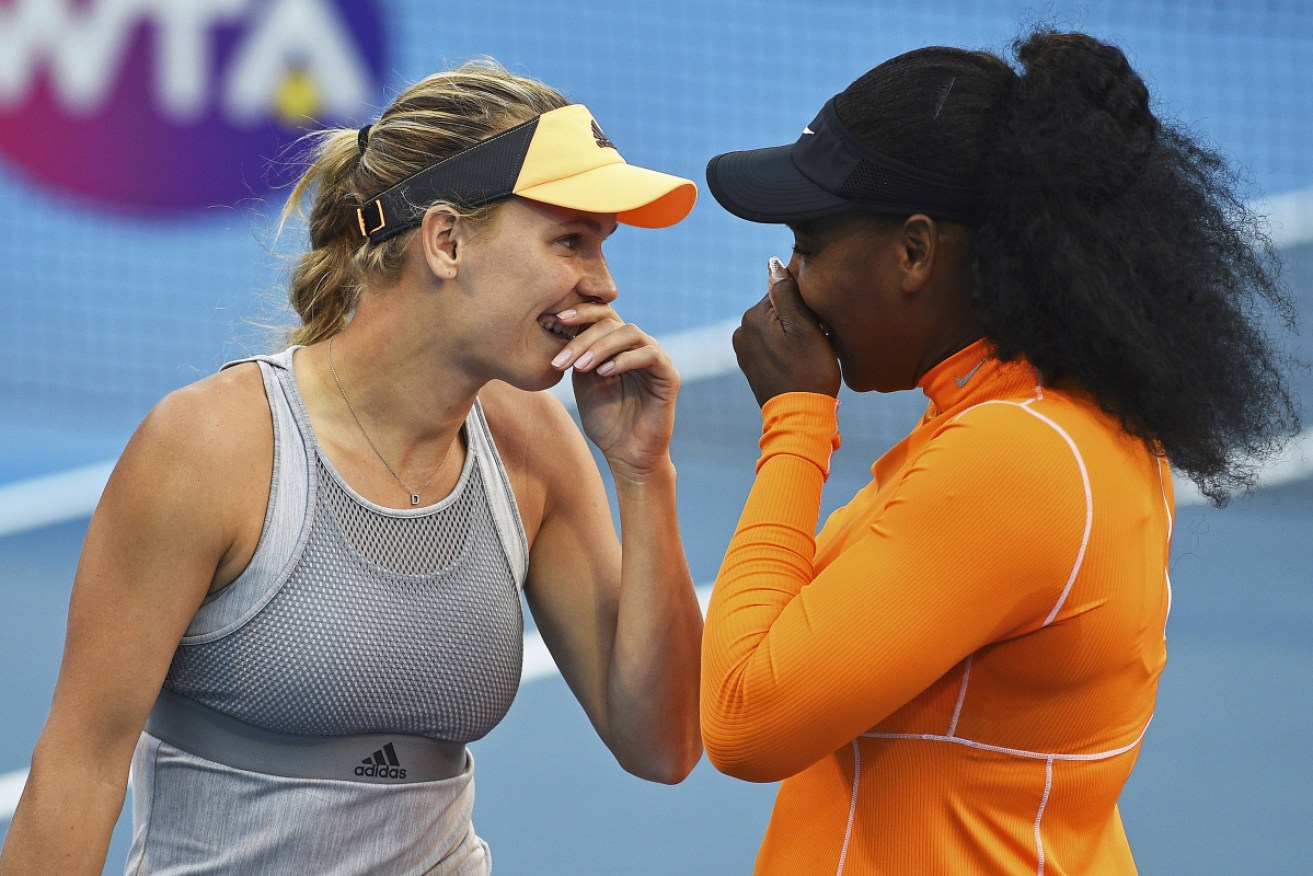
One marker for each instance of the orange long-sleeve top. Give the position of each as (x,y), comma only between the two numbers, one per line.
(954,676)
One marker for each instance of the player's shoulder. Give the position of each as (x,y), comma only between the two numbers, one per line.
(1013,440)
(1042,418)
(217,419)
(234,392)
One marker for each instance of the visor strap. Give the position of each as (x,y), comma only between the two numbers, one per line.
(481,174)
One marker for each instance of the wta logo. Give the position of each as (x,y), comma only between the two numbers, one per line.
(172,105)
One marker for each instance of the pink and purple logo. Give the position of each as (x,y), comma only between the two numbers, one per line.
(163,106)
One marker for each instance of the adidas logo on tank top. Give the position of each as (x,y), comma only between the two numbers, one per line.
(382,764)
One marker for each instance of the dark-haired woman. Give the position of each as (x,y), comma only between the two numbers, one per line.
(955,675)
(304,577)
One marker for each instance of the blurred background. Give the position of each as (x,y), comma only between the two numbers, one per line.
(145,148)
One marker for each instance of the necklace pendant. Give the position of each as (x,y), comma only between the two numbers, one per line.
(414,498)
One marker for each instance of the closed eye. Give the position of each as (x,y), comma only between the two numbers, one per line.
(801,230)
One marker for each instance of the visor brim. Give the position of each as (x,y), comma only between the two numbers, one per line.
(764,185)
(638,196)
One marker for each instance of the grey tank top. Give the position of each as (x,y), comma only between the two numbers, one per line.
(353,618)
(314,710)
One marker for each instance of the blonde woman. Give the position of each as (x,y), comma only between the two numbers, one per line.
(299,598)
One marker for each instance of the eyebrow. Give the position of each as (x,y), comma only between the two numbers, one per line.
(591,224)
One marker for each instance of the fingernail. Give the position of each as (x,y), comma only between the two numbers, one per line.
(776,268)
(584,361)
(562,359)
(606,368)
(566,314)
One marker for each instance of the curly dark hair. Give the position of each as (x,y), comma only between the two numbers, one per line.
(1114,252)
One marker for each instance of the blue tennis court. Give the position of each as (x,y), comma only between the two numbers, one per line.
(114,302)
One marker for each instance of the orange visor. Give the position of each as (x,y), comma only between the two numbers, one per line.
(560,157)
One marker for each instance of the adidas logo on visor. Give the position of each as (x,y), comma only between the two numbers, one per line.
(382,764)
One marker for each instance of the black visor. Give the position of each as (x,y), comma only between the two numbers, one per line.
(829,171)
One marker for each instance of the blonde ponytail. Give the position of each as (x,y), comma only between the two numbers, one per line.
(326,282)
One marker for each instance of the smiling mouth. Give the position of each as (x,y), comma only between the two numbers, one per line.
(551,326)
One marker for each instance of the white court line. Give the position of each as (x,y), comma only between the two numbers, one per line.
(72,495)
(1289,217)
(11,786)
(1295,464)
(538,664)
(57,498)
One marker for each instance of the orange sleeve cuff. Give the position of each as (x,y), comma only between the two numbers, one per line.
(801,424)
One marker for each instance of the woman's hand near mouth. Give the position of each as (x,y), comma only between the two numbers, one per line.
(782,346)
(625,387)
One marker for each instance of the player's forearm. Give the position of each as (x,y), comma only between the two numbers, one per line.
(653,682)
(747,698)
(64,819)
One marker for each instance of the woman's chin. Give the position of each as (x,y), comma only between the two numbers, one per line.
(544,380)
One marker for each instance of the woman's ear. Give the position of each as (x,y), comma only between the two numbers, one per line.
(441,235)
(919,246)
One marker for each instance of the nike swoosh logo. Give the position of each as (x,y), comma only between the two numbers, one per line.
(962,381)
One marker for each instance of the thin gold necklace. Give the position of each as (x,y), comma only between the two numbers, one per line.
(414,494)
